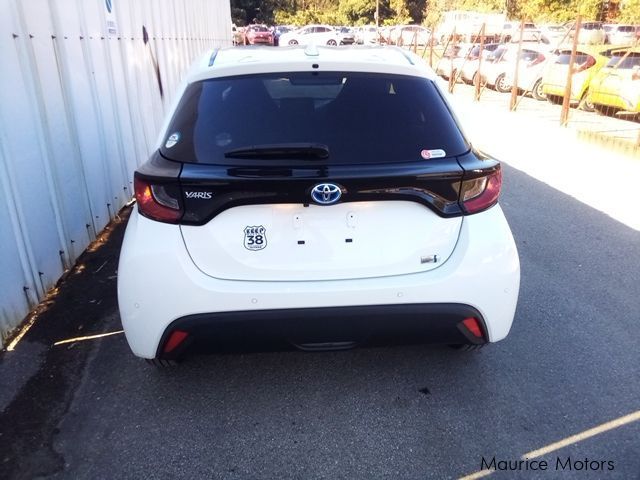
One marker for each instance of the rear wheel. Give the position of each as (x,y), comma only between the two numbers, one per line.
(293,42)
(586,105)
(537,92)
(159,363)
(555,99)
(332,42)
(467,347)
(501,84)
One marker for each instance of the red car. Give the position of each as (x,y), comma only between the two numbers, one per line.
(258,35)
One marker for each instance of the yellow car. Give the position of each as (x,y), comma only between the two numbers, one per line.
(617,86)
(589,60)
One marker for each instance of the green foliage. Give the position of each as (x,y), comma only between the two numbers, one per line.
(427,12)
(630,12)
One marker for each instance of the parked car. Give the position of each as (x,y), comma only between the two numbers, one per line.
(511,32)
(616,87)
(410,35)
(347,36)
(258,35)
(501,65)
(530,71)
(555,34)
(608,28)
(237,34)
(278,31)
(591,33)
(367,35)
(318,34)
(468,66)
(452,59)
(589,59)
(266,211)
(623,34)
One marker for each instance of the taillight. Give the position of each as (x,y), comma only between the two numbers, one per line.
(479,193)
(539,59)
(158,201)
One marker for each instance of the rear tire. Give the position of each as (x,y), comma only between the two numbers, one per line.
(537,92)
(501,84)
(332,43)
(467,347)
(584,104)
(555,99)
(293,42)
(160,363)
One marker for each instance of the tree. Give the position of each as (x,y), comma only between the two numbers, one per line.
(630,11)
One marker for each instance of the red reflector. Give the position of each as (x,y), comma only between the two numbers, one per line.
(473,326)
(175,339)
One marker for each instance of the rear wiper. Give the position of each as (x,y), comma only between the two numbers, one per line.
(308,151)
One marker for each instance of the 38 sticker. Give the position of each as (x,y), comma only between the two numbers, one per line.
(255,237)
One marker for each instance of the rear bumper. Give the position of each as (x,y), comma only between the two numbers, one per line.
(158,283)
(327,328)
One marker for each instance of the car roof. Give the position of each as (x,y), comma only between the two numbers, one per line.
(233,61)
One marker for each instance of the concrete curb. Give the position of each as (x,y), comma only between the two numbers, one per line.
(624,146)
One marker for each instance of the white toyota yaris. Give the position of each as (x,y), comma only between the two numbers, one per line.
(322,196)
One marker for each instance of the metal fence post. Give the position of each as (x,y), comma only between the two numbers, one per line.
(566,101)
(452,80)
(514,87)
(478,76)
(431,46)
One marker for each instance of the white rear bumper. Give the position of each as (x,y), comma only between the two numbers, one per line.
(159,283)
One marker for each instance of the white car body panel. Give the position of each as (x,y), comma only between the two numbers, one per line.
(482,272)
(342,241)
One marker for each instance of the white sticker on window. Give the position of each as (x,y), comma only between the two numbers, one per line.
(429,154)
(255,237)
(172,140)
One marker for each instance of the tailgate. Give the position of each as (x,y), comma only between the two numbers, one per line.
(284,242)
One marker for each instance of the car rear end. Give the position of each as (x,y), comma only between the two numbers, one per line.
(617,86)
(259,35)
(587,62)
(530,73)
(268,212)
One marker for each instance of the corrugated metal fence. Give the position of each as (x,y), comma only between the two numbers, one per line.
(84,85)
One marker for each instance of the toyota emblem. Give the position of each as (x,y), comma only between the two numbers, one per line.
(326,193)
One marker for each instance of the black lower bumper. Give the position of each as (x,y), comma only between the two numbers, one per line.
(327,328)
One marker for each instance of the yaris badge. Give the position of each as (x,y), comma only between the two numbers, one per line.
(326,193)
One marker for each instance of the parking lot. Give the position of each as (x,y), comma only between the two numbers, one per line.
(87,408)
(623,129)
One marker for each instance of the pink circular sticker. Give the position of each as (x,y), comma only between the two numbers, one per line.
(426,154)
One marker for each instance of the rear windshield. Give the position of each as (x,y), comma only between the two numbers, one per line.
(361,118)
(630,61)
(565,58)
